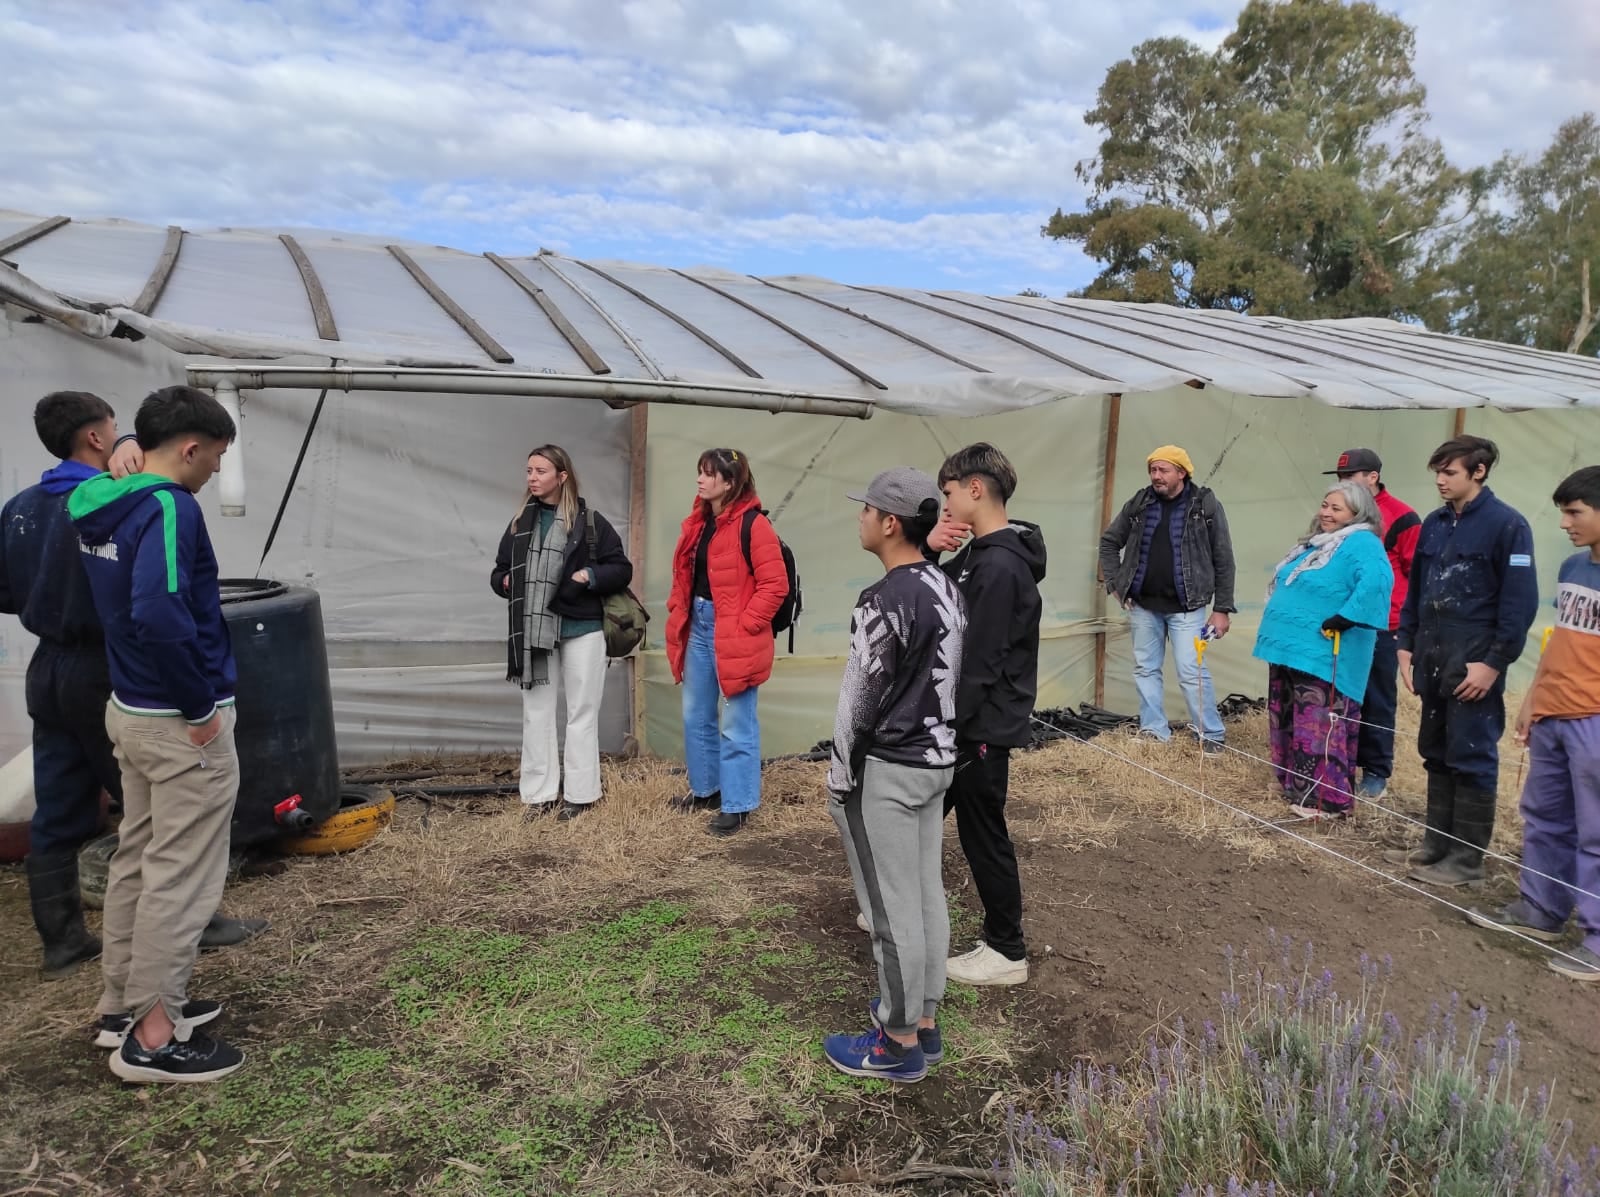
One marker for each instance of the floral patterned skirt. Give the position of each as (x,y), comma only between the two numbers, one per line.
(1312,734)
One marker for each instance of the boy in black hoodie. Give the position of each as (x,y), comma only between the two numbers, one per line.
(998,573)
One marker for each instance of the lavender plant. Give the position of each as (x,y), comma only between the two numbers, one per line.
(1297,1090)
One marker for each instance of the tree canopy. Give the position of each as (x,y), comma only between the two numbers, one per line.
(1521,270)
(1291,172)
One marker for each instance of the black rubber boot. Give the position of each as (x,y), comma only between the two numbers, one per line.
(727,822)
(688,804)
(223,932)
(1473,826)
(58,912)
(1442,797)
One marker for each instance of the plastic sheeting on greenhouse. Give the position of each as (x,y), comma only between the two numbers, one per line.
(241,294)
(402,497)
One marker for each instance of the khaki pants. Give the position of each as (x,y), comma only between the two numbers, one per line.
(165,881)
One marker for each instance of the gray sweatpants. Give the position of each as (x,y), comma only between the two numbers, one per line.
(893,830)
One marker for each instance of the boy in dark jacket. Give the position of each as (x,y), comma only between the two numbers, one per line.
(153,575)
(894,746)
(1473,597)
(42,582)
(998,573)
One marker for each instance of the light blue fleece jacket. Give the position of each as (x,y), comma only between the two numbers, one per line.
(1354,583)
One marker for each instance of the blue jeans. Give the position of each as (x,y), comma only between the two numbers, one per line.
(1151,631)
(726,760)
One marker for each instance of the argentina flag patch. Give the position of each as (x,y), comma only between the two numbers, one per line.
(1522,559)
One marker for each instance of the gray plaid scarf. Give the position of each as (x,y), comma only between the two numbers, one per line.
(543,576)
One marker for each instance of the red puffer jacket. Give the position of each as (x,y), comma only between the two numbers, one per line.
(744,602)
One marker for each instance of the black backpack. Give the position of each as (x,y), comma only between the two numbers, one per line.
(788,610)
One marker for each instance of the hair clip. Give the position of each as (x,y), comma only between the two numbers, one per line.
(733,454)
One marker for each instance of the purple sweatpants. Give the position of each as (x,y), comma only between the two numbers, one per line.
(1561,822)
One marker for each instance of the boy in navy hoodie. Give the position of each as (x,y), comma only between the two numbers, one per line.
(153,575)
(43,584)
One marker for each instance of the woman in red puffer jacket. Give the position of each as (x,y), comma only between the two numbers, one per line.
(719,636)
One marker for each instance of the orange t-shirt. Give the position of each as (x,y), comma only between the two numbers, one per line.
(1569,687)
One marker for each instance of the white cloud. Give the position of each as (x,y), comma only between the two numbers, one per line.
(895,126)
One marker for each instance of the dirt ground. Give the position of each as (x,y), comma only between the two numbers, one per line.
(476,1004)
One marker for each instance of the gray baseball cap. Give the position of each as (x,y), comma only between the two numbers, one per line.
(900,491)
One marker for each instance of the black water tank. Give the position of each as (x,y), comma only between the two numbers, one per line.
(285,729)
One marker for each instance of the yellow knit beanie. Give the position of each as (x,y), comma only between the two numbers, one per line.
(1175,455)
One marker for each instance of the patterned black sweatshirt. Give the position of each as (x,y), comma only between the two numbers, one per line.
(897,702)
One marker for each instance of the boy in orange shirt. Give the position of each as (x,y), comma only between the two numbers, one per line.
(1560,724)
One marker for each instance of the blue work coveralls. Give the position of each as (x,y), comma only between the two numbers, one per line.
(1474,595)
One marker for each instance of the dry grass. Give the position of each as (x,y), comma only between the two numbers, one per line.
(476,867)
(1085,795)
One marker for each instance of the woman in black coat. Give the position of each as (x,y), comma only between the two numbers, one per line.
(558,559)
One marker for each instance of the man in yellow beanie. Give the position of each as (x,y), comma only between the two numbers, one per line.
(1166,558)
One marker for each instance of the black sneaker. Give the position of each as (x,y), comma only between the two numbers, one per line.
(224,932)
(727,822)
(688,804)
(571,810)
(201,1059)
(112,1029)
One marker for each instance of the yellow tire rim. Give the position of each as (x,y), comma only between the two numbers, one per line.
(347,829)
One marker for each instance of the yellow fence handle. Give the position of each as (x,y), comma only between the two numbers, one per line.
(1544,640)
(1200,650)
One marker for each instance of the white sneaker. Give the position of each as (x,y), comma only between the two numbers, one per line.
(861,921)
(985,966)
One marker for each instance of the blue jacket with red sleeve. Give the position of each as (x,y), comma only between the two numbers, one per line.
(153,574)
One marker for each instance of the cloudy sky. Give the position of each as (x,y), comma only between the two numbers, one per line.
(920,142)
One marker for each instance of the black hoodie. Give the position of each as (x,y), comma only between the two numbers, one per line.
(999,577)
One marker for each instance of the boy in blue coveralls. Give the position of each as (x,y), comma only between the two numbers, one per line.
(1473,597)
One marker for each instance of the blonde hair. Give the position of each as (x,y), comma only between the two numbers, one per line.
(566,503)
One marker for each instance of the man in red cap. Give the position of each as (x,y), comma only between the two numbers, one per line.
(1401,525)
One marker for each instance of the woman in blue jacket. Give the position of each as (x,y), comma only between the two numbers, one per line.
(1336,580)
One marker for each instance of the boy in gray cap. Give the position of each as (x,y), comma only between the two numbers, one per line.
(894,752)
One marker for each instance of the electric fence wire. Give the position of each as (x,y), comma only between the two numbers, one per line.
(1251,817)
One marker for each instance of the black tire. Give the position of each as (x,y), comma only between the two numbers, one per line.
(94,862)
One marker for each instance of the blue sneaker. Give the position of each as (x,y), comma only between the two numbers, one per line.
(873,1055)
(1372,787)
(928,1038)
